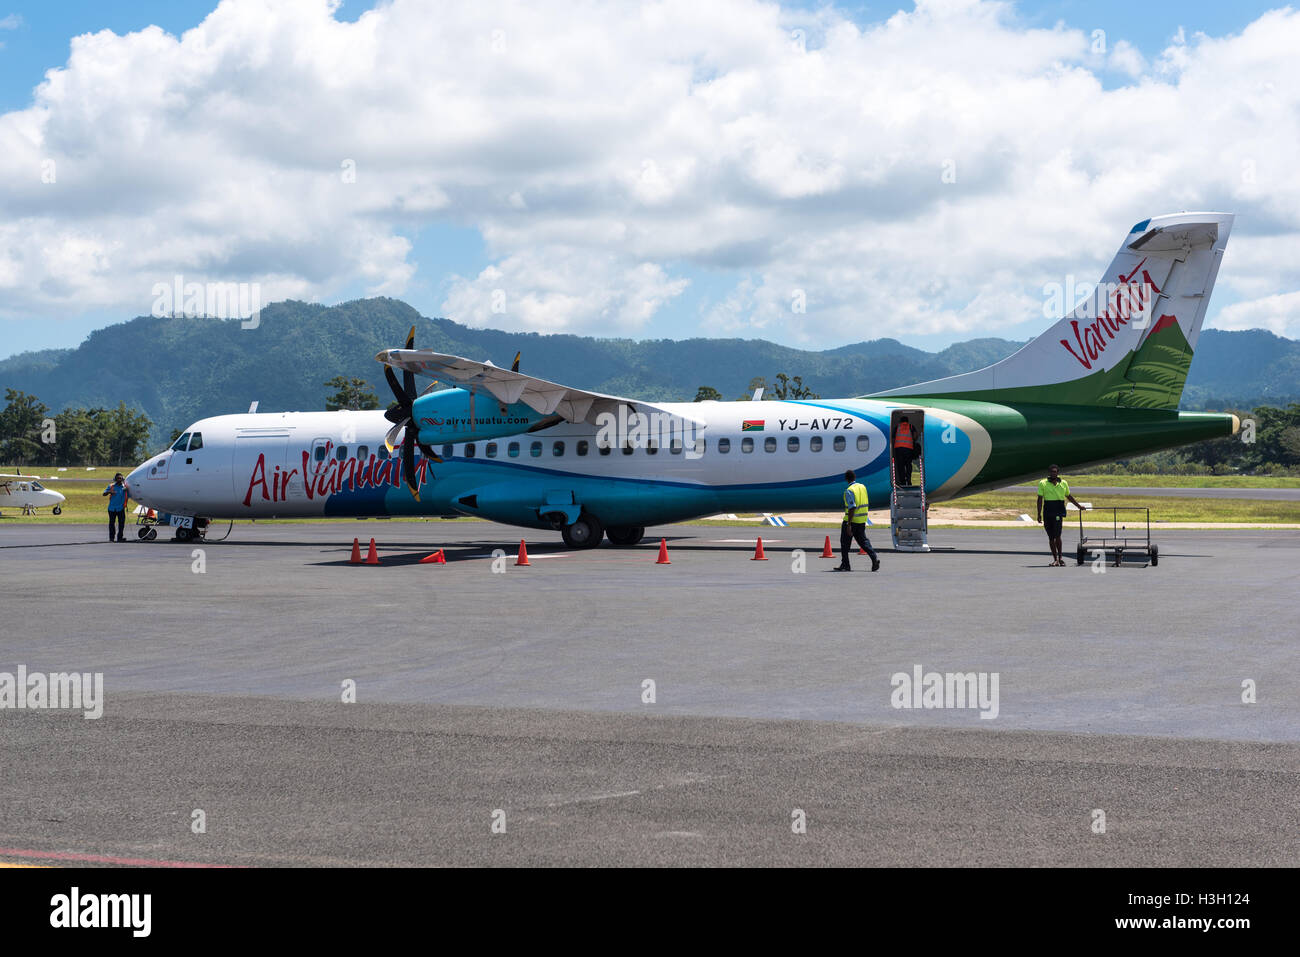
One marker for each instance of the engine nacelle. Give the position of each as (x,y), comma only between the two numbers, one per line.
(458,415)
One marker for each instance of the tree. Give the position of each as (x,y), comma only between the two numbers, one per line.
(80,438)
(707,393)
(125,433)
(351,393)
(21,424)
(787,388)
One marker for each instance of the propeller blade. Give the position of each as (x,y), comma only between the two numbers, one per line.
(428,452)
(390,440)
(514,366)
(408,377)
(408,464)
(398,392)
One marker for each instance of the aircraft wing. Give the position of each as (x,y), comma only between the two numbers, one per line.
(541,395)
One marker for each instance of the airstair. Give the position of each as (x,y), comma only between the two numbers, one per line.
(907,514)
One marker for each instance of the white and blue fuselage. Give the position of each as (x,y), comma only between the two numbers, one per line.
(745,456)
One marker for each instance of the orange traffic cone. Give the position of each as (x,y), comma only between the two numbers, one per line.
(356,552)
(372,557)
(523,554)
(663,553)
(826,549)
(758,552)
(437,558)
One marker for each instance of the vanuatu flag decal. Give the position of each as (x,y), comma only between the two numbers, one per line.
(752,425)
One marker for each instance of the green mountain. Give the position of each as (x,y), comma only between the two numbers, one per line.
(178,370)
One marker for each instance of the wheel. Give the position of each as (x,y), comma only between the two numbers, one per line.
(586,532)
(1080,555)
(625,535)
(184,534)
(143,533)
(1155,555)
(153,534)
(57,510)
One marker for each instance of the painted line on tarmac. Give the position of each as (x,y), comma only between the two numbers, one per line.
(95,859)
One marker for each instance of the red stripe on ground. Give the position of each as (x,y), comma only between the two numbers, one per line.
(99,859)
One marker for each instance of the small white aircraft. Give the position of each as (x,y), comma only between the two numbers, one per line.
(25,492)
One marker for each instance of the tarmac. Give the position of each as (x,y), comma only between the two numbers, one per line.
(605,709)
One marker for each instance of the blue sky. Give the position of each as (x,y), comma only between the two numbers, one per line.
(37,38)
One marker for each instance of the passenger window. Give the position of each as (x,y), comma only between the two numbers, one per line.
(512,450)
(469,450)
(652,448)
(627,448)
(838,444)
(769,444)
(792,444)
(179,444)
(724,445)
(491,450)
(746,444)
(448,450)
(604,449)
(382,452)
(582,446)
(363,451)
(675,446)
(698,446)
(863,443)
(341,452)
(196,441)
(320,453)
(535,450)
(815,444)
(557,448)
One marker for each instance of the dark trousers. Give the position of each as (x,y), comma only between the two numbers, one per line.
(120,518)
(903,466)
(848,533)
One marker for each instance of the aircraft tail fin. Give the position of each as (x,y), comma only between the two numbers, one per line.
(1127,345)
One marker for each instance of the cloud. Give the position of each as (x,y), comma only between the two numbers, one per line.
(926,174)
(1279,314)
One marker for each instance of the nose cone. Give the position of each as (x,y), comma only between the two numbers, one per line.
(135,481)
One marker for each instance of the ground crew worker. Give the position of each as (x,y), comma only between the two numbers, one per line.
(905,447)
(854,525)
(118,494)
(1053,492)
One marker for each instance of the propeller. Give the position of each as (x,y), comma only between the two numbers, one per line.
(402,416)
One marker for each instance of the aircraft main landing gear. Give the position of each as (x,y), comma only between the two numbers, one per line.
(585,532)
(625,536)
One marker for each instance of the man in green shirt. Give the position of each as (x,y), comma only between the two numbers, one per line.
(1054,492)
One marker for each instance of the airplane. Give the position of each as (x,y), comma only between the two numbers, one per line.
(25,492)
(1101,383)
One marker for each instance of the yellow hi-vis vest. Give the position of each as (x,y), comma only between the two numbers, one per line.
(855,504)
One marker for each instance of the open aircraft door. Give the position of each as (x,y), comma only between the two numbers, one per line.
(907,506)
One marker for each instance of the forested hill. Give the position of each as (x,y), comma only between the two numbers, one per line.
(177,370)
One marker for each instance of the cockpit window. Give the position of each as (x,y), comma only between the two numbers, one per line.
(179,444)
(196,441)
(38,487)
